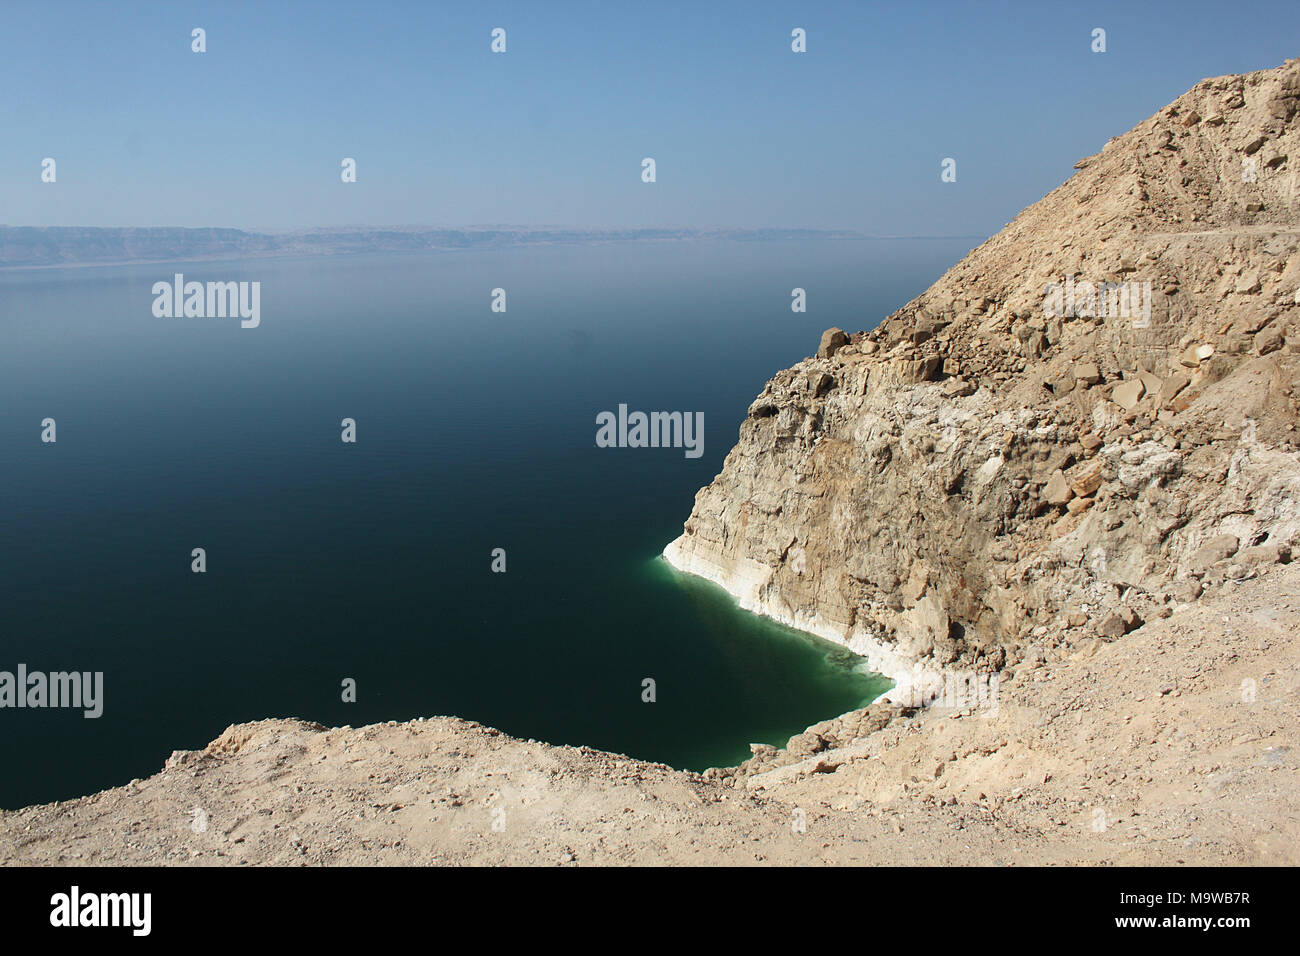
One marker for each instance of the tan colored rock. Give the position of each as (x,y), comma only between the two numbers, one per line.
(1172,386)
(1264,554)
(803,744)
(832,341)
(1247,283)
(958,388)
(1087,373)
(1270,339)
(1112,626)
(1087,481)
(1219,548)
(913,371)
(917,581)
(1079,505)
(1127,394)
(1057,491)
(931,621)
(1195,354)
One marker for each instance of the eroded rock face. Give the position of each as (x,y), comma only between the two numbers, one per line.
(998,463)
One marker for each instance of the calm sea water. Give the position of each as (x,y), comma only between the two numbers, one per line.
(326,561)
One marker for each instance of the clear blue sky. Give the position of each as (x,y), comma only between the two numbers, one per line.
(745,132)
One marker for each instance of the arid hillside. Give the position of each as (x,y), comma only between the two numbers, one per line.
(1007,457)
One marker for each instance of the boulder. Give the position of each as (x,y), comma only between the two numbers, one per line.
(1269,340)
(819,383)
(1057,491)
(1247,283)
(832,341)
(1127,394)
(1194,355)
(929,627)
(1087,481)
(958,388)
(1087,373)
(1263,555)
(805,744)
(1112,626)
(1173,385)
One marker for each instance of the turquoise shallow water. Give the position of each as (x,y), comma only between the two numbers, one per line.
(371,561)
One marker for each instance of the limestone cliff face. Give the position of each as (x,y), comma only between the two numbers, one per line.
(1004,461)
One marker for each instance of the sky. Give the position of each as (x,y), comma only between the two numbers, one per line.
(745,133)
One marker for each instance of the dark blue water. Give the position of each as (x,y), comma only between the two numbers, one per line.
(372,561)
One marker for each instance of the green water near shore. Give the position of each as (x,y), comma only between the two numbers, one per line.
(788,662)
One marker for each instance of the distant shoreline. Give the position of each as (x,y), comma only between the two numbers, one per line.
(70,247)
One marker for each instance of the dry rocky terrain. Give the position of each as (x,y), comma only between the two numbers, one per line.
(1088,508)
(994,464)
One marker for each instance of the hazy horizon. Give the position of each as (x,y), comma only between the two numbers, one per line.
(851,134)
(46,247)
(523,227)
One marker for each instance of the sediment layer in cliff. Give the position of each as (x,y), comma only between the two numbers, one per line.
(1086,422)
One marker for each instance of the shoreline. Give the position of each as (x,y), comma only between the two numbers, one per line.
(1075,742)
(916,683)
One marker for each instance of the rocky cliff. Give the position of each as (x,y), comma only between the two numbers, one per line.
(1086,422)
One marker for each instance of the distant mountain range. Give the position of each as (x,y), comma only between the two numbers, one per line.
(31,246)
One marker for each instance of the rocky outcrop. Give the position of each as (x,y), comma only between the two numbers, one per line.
(1087,421)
